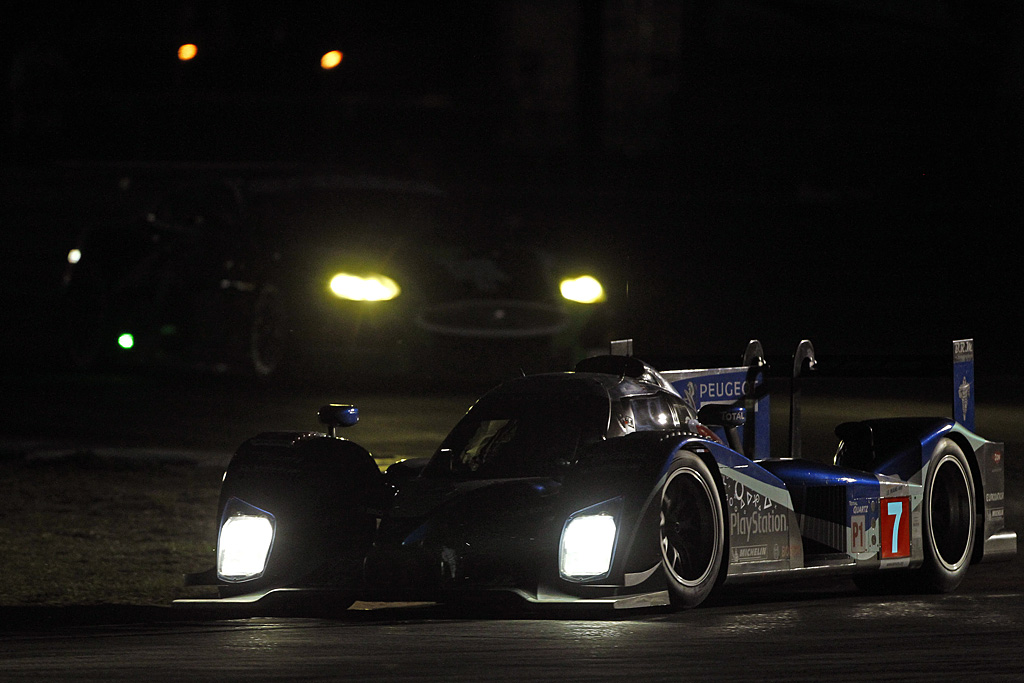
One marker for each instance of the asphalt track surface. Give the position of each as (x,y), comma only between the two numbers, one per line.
(824,629)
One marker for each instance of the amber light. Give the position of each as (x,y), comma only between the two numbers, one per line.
(187,51)
(331,59)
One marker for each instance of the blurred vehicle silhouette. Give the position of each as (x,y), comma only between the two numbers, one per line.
(373,274)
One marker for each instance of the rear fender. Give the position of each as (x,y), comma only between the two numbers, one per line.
(893,446)
(904,447)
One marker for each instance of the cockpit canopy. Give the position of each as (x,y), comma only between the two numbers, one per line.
(520,435)
(535,426)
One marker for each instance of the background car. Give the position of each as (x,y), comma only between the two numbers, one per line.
(328,271)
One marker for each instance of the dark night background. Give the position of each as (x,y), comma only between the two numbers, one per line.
(842,170)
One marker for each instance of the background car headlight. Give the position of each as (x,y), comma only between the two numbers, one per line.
(244,543)
(588,543)
(583,290)
(372,287)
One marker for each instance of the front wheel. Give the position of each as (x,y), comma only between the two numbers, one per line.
(691,531)
(949,518)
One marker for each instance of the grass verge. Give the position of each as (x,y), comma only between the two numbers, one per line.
(87,530)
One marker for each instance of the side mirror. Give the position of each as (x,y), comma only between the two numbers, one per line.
(723,415)
(403,470)
(336,415)
(731,417)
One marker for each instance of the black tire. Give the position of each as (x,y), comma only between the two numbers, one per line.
(949,518)
(268,332)
(691,531)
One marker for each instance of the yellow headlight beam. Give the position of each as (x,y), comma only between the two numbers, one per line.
(371,287)
(584,290)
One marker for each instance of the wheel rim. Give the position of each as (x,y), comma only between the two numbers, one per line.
(690,527)
(951,513)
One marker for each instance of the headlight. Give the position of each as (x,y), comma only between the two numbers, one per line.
(243,545)
(372,287)
(588,542)
(583,290)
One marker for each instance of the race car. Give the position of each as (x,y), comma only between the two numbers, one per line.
(261,271)
(613,484)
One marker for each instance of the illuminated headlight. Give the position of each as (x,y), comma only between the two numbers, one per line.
(588,542)
(74,256)
(583,290)
(246,537)
(371,287)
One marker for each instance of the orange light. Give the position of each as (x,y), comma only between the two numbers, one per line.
(331,59)
(187,51)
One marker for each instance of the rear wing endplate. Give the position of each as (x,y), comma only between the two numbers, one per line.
(963,382)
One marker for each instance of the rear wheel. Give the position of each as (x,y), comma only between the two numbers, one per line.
(691,531)
(949,518)
(949,529)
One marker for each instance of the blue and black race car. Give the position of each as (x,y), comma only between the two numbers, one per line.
(614,484)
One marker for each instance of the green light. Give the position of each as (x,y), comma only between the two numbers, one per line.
(126,341)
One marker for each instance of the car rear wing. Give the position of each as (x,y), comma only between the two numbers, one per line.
(744,385)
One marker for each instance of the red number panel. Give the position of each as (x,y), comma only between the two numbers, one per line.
(895,519)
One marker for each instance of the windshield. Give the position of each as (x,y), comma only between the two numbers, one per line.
(522,436)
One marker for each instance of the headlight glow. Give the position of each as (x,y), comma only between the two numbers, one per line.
(372,287)
(74,256)
(588,543)
(243,546)
(583,290)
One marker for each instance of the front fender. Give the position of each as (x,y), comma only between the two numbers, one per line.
(324,493)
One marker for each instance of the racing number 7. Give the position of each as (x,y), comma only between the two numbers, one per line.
(895,507)
(895,527)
